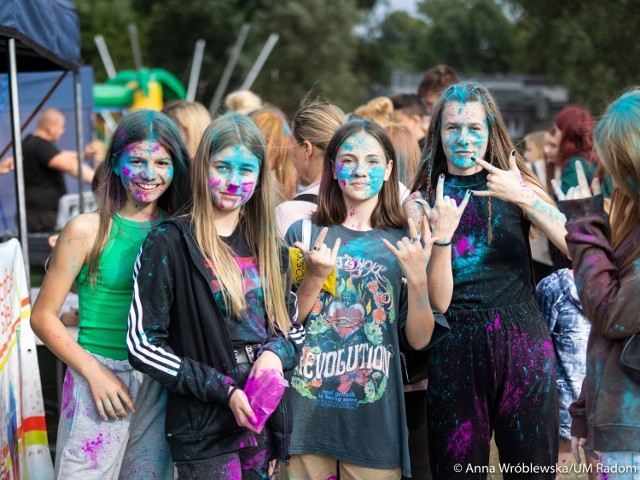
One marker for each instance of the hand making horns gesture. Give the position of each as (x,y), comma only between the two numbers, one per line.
(445,214)
(413,254)
(320,260)
(507,185)
(581,190)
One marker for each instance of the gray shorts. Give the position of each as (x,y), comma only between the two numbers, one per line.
(132,448)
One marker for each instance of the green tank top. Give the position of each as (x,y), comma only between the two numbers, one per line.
(104,307)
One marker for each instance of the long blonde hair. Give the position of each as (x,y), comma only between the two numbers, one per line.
(191,118)
(257,221)
(617,140)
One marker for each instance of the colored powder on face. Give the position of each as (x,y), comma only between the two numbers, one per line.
(459,442)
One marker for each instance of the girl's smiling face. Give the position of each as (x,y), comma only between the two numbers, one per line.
(464,134)
(145,169)
(233,176)
(361,167)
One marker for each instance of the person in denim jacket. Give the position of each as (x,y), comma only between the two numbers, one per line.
(560,306)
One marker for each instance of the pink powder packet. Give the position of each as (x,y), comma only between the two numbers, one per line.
(264,393)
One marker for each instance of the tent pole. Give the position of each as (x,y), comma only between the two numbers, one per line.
(17,150)
(77,84)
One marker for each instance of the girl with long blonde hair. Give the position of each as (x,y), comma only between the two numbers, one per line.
(212,308)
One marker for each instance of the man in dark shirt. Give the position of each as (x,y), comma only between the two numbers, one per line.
(44,169)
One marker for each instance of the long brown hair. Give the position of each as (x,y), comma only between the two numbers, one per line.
(617,139)
(257,221)
(434,161)
(332,209)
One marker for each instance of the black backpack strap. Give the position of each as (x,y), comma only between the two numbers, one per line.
(307,197)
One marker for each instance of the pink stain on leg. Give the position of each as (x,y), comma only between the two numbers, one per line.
(92,449)
(67,400)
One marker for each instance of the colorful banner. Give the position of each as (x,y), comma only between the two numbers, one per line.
(24,448)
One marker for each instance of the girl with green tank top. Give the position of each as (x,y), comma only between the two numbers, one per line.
(112,416)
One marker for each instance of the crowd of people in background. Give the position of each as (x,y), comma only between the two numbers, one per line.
(228,251)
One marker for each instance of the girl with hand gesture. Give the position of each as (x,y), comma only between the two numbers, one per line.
(495,371)
(350,370)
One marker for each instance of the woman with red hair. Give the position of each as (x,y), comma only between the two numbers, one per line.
(573,132)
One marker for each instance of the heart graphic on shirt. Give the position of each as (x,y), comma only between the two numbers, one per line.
(345,320)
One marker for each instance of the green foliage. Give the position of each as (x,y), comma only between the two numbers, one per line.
(473,36)
(108,18)
(174,26)
(398,42)
(589,46)
(316,51)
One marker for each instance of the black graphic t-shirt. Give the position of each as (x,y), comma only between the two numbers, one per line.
(347,390)
(488,274)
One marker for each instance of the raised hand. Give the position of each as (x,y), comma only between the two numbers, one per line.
(109,393)
(507,185)
(320,260)
(413,254)
(579,191)
(445,214)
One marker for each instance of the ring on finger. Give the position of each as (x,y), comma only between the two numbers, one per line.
(316,249)
(414,240)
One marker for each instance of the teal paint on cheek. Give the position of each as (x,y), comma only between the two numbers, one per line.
(376,176)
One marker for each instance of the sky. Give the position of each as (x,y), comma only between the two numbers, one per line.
(385,6)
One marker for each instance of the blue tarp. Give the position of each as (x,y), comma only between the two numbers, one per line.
(47,34)
(31,89)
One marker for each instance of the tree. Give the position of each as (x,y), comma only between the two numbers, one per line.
(316,51)
(473,36)
(398,42)
(108,18)
(589,46)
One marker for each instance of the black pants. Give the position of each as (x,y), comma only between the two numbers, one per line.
(416,407)
(495,372)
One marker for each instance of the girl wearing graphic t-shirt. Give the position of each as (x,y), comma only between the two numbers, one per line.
(112,417)
(212,309)
(349,417)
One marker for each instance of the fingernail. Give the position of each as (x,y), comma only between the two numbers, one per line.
(513,153)
(473,158)
(468,192)
(442,175)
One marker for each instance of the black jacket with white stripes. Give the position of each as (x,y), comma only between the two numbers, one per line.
(177,335)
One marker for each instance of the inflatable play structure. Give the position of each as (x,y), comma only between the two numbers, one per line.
(133,89)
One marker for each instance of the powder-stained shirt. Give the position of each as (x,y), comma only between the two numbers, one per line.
(347,390)
(488,274)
